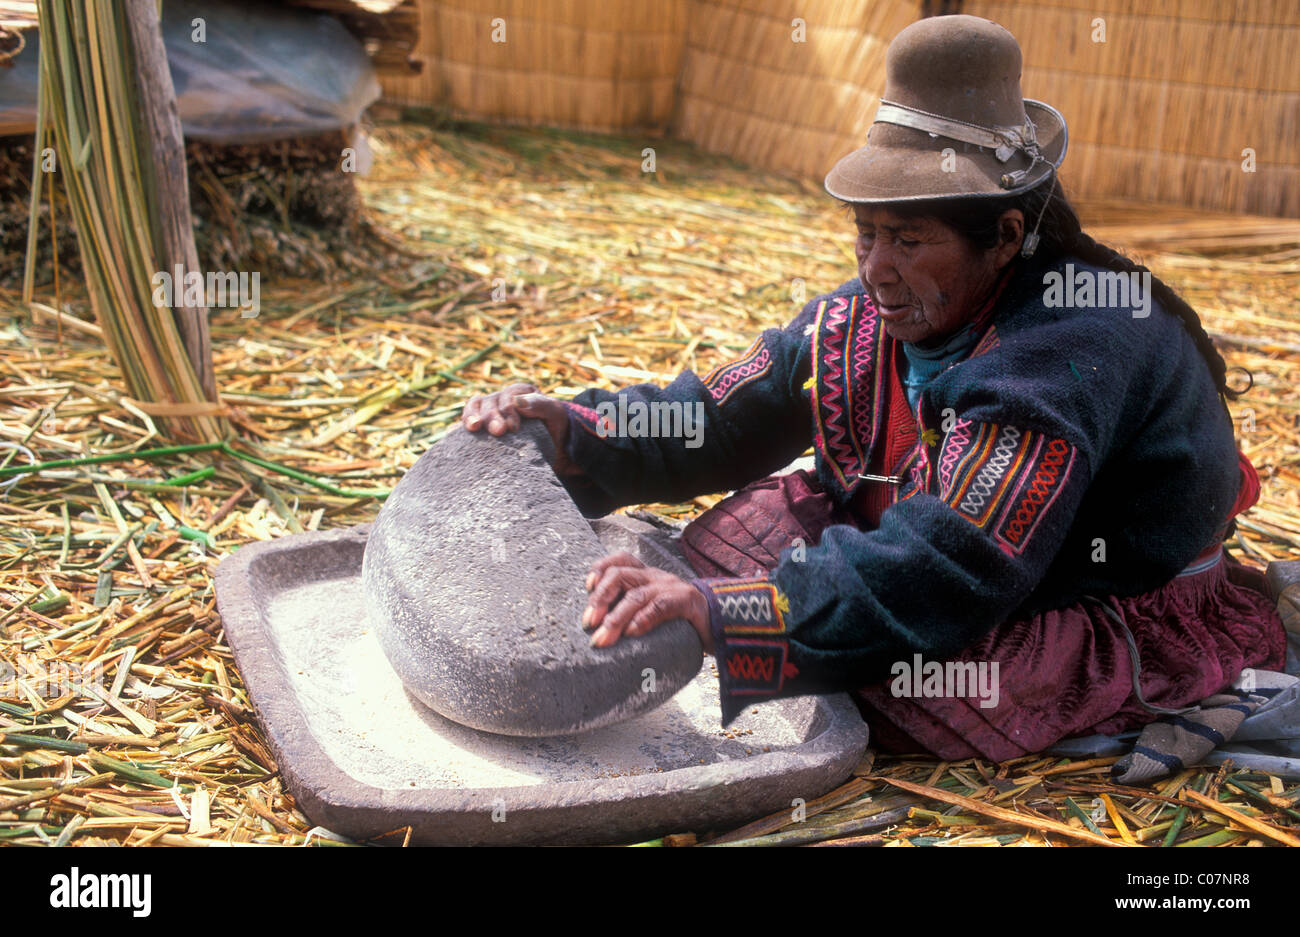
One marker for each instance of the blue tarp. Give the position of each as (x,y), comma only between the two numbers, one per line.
(261,73)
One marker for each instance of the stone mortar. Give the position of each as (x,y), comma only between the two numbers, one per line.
(362,757)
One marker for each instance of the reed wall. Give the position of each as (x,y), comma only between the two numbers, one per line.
(1172,107)
(586,64)
(1165,107)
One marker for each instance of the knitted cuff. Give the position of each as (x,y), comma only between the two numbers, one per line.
(584,449)
(750,645)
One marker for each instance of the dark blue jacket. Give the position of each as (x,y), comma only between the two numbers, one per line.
(1065,428)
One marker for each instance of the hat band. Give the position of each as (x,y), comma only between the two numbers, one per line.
(1003,141)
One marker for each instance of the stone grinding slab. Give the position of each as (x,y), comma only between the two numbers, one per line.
(474,585)
(362,757)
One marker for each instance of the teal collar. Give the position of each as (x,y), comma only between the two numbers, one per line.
(926,362)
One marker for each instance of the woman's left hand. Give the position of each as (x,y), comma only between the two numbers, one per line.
(628,597)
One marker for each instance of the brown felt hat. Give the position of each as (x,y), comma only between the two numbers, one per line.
(952,82)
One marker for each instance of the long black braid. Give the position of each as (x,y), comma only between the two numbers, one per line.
(1085,248)
(1062,235)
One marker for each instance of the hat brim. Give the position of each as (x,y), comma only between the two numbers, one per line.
(911,165)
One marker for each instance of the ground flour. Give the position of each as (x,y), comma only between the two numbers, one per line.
(367,724)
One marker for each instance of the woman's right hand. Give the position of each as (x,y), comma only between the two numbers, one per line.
(499,413)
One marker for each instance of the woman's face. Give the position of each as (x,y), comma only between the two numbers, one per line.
(927,280)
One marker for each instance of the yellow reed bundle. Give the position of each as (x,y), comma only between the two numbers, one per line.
(91,98)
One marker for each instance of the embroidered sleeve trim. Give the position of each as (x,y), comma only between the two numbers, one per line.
(747,606)
(755,668)
(589,420)
(747,618)
(724,380)
(1003,479)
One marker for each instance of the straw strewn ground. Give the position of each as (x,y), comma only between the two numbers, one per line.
(606,276)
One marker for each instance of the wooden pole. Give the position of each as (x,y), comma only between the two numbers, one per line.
(172,211)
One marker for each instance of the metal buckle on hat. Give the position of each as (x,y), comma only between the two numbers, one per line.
(1023,139)
(1005,142)
(1027,143)
(1010,180)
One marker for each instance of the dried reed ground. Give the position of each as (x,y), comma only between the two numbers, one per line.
(604,275)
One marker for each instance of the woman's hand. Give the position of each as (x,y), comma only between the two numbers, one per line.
(628,597)
(500,413)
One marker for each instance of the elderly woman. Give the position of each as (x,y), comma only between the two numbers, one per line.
(1024,462)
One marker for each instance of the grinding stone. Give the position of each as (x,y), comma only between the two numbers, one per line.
(473,576)
(362,757)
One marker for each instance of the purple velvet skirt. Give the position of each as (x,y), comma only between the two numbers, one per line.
(1062,673)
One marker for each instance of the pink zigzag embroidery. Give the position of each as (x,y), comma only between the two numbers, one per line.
(863,358)
(588,418)
(739,374)
(958,439)
(836,433)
